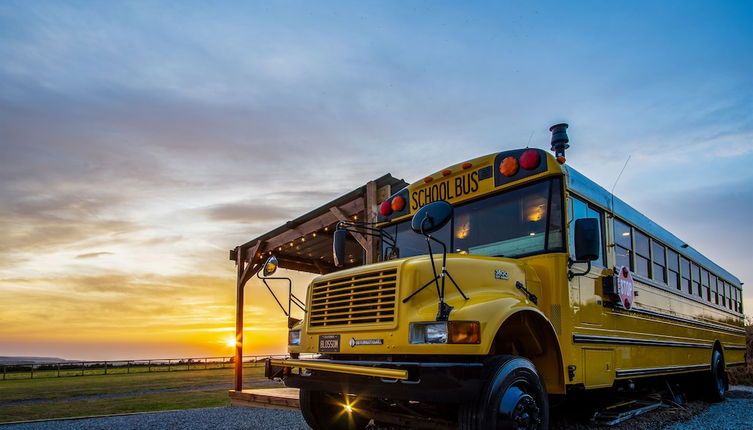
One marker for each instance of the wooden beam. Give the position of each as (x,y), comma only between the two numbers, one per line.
(326,219)
(358,236)
(253,261)
(305,264)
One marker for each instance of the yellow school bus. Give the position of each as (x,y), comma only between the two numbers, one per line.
(503,280)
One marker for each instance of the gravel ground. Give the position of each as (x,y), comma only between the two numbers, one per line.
(736,413)
(227,418)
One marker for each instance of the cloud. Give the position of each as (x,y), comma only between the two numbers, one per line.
(93,254)
(246,213)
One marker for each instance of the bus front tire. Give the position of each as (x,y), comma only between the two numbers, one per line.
(514,397)
(324,411)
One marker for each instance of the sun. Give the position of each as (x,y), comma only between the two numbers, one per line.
(230,341)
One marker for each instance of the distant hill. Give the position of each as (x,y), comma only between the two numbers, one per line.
(30,360)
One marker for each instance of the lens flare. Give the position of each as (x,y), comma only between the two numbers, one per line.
(230,341)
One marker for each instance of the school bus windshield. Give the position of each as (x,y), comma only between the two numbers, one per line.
(524,221)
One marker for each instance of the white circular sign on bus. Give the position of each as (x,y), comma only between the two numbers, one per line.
(625,287)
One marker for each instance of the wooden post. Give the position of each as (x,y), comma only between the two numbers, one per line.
(238,364)
(169,365)
(58,366)
(128,367)
(82,368)
(32,371)
(105,368)
(149,363)
(370,215)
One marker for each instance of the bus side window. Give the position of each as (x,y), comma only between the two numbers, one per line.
(579,210)
(623,245)
(685,275)
(658,272)
(673,269)
(696,272)
(642,254)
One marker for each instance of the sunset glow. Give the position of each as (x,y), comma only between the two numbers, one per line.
(140,142)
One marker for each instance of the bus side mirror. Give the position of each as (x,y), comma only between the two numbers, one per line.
(587,241)
(338,246)
(431,217)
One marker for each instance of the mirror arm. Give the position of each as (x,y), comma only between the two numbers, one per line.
(571,274)
(292,299)
(298,302)
(443,311)
(364,228)
(264,280)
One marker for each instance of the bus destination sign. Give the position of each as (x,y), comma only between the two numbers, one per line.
(445,190)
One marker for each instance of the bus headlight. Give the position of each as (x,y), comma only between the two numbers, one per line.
(445,332)
(294,337)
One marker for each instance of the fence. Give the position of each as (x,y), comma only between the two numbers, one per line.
(85,368)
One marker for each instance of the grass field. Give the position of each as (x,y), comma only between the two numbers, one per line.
(88,371)
(31,399)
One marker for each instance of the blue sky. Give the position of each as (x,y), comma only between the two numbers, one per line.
(141,140)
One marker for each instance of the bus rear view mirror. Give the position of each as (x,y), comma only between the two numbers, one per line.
(587,241)
(338,246)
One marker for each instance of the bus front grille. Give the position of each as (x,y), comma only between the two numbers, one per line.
(365,298)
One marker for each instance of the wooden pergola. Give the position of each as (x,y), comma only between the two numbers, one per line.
(305,244)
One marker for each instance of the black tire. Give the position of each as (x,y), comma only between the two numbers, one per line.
(717,384)
(513,397)
(324,411)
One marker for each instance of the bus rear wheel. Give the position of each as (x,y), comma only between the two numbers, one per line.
(323,411)
(717,379)
(514,397)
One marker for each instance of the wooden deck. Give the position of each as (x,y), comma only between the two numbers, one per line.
(269,398)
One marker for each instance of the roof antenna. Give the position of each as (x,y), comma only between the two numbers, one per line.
(617,180)
(530,137)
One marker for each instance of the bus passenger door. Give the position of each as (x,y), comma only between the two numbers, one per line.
(586,290)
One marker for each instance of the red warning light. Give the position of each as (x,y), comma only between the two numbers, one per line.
(398,203)
(385,208)
(530,159)
(508,166)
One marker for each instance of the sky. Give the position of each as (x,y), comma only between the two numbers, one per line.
(140,141)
